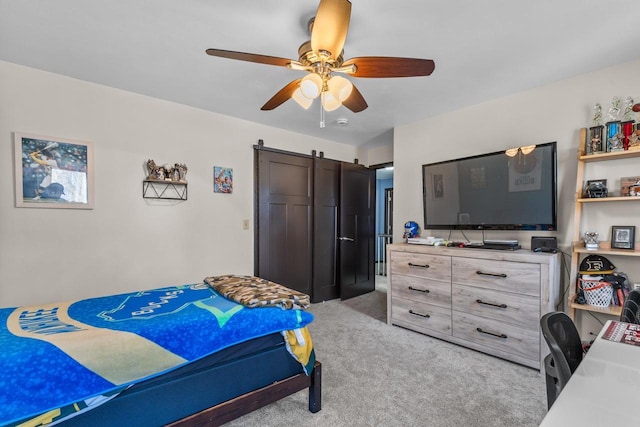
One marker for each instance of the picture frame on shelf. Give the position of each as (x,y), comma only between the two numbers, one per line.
(623,237)
(53,172)
(626,183)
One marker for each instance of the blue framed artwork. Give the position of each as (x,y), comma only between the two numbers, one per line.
(53,172)
(222,180)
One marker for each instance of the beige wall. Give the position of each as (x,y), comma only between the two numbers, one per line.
(128,243)
(551,113)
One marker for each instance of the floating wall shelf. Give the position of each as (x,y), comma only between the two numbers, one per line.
(168,190)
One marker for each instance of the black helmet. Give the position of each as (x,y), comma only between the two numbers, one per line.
(596,189)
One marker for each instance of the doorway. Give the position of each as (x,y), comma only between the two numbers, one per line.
(384,220)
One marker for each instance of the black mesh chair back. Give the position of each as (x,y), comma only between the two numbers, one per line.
(565,346)
(631,308)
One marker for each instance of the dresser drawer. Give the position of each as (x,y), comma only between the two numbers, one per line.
(497,335)
(421,265)
(426,316)
(514,309)
(421,290)
(516,277)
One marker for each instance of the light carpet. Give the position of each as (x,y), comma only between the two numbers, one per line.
(374,374)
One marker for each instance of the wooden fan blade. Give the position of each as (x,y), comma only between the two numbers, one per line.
(355,102)
(250,57)
(282,96)
(385,66)
(330,26)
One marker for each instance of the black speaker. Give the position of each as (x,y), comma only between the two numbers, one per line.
(544,244)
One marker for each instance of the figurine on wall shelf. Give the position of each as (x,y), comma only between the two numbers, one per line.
(177,173)
(614,110)
(597,115)
(591,240)
(628,109)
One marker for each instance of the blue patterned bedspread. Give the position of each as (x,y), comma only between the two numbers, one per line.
(53,355)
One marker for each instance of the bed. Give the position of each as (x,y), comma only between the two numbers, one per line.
(183,356)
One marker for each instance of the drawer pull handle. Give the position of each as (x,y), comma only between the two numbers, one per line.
(415,313)
(425,291)
(419,265)
(483,273)
(479,301)
(491,333)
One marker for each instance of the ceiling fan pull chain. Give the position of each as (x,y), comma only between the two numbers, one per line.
(321,116)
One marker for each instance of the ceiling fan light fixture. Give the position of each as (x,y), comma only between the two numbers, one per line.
(330,102)
(311,85)
(340,88)
(511,152)
(527,149)
(302,100)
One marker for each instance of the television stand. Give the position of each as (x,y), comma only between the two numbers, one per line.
(490,302)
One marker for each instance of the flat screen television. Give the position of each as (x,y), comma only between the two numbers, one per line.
(513,189)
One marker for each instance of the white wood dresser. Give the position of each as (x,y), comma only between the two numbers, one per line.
(487,300)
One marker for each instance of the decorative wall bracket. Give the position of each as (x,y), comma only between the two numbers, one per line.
(169,190)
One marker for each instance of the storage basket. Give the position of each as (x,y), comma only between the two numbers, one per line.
(597,293)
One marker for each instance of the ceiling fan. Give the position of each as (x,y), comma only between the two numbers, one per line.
(322,57)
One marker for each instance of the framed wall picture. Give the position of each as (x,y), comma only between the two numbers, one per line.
(222,180)
(52,172)
(623,237)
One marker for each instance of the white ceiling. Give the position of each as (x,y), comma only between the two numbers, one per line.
(482,49)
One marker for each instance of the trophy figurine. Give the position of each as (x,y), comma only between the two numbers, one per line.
(591,241)
(628,109)
(614,110)
(597,115)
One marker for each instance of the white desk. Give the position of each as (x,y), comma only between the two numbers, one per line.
(603,391)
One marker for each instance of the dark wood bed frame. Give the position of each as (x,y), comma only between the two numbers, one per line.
(241,405)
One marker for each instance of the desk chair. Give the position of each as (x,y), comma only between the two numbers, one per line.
(631,309)
(565,345)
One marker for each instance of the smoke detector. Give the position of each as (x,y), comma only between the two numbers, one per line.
(342,122)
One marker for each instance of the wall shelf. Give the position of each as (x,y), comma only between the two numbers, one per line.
(578,249)
(614,155)
(167,190)
(605,249)
(612,310)
(609,199)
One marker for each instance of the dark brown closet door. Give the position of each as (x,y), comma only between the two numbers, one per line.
(325,244)
(356,234)
(284,203)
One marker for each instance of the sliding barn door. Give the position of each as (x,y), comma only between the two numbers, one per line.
(284,227)
(356,234)
(326,216)
(315,224)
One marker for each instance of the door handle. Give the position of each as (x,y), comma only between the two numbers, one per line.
(346,239)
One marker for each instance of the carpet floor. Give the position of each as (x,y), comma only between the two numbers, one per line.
(380,375)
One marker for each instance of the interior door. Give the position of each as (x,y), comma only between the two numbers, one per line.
(356,230)
(285,212)
(326,204)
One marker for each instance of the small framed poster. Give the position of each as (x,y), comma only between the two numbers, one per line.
(222,180)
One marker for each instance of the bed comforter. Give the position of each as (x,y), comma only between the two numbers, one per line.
(53,355)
